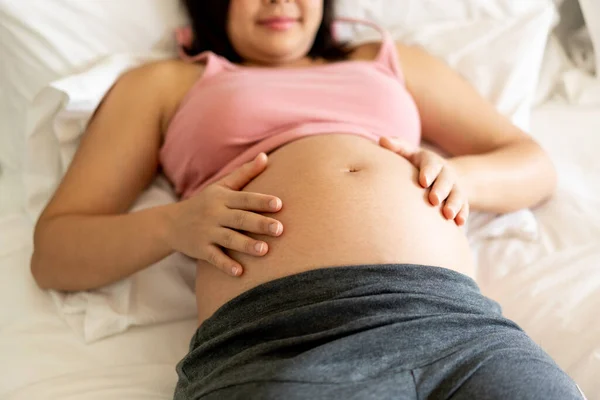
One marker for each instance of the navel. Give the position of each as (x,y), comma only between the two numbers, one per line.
(351,169)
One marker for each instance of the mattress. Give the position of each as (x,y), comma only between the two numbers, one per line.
(549,285)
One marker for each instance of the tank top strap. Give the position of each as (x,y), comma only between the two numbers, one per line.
(388,53)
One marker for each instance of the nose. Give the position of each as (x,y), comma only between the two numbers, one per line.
(278,1)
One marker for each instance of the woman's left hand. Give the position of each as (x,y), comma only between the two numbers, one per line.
(439,174)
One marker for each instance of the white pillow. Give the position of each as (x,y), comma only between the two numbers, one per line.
(56,119)
(61,110)
(163,292)
(46,40)
(498,45)
(591,12)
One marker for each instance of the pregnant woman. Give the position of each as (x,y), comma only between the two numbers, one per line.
(332,262)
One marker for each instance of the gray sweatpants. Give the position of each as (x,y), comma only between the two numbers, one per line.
(389,331)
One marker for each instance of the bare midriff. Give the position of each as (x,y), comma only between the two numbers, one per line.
(346,201)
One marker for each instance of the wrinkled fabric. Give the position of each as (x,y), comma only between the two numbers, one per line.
(367,332)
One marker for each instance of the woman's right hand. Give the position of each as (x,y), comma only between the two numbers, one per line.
(204,223)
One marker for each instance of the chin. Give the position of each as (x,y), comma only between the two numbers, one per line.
(283,52)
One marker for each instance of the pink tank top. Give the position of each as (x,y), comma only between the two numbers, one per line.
(233,112)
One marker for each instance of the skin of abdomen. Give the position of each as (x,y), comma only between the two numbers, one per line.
(346,201)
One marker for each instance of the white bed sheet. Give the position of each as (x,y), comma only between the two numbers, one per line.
(42,358)
(550,286)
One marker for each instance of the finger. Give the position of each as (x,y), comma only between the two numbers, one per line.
(219,259)
(253,202)
(399,146)
(442,187)
(251,222)
(429,168)
(454,203)
(230,239)
(243,175)
(463,215)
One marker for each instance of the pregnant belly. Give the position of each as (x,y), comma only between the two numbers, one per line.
(346,201)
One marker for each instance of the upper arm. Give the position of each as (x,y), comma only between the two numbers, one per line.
(454,116)
(118,154)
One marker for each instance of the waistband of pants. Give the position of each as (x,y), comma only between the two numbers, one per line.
(426,286)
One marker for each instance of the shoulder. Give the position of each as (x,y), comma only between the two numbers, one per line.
(164,83)
(365,51)
(417,63)
(406,52)
(163,75)
(416,58)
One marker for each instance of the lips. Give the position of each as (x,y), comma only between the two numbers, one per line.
(278,23)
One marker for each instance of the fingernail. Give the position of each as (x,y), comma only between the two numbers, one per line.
(274,228)
(259,247)
(235,271)
(274,204)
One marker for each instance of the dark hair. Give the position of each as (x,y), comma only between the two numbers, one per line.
(209,24)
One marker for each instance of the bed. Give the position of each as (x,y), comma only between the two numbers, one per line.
(548,281)
(550,286)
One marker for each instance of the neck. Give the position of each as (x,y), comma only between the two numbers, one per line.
(301,62)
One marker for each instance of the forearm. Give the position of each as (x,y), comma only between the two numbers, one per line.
(509,179)
(85,252)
